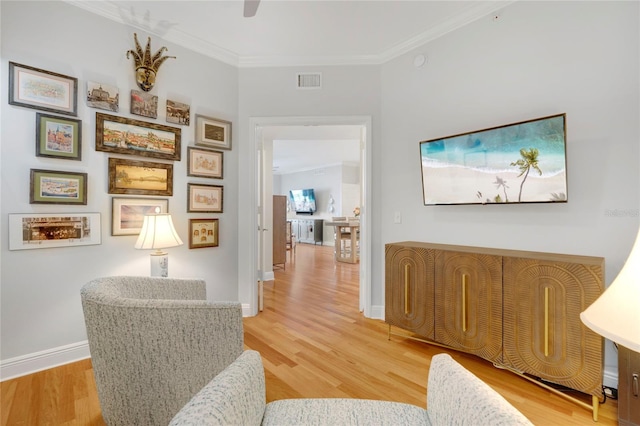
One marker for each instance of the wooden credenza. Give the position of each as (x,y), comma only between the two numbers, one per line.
(517,309)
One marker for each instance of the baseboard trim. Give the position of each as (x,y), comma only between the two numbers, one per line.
(43,360)
(610,378)
(377,312)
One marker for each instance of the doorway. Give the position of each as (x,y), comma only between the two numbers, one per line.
(259,127)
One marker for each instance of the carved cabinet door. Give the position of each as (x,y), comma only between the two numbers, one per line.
(409,293)
(543,334)
(469,303)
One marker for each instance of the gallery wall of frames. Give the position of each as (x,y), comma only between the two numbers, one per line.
(141,183)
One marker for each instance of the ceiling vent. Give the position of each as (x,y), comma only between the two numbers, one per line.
(309,80)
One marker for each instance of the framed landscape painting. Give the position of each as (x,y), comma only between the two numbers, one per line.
(128,213)
(140,177)
(134,137)
(56,187)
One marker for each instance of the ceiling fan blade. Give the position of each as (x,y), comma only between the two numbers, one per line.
(250,8)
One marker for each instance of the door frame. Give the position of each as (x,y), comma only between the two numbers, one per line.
(256,125)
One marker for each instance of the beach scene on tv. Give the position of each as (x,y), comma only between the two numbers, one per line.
(518,163)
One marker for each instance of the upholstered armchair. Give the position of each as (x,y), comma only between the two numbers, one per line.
(155,342)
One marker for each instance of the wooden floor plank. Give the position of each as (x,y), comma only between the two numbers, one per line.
(314,343)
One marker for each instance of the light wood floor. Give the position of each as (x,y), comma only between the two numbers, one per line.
(314,343)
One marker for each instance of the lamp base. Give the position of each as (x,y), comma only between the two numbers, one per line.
(159,264)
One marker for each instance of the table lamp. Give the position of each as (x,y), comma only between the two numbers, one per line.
(157,233)
(616,313)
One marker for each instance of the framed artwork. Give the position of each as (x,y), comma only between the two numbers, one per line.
(103,96)
(44,90)
(55,187)
(127,214)
(58,137)
(204,198)
(144,104)
(213,132)
(523,162)
(204,163)
(140,177)
(36,231)
(134,137)
(178,113)
(203,233)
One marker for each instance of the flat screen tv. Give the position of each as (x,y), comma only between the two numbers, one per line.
(303,200)
(523,162)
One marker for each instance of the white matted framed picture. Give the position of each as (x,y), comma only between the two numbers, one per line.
(204,163)
(127,214)
(204,198)
(213,132)
(48,230)
(44,90)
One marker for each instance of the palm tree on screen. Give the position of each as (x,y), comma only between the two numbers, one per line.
(528,161)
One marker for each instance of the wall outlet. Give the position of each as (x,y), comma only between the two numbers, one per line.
(610,393)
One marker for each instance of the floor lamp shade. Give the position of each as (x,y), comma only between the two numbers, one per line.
(158,233)
(616,313)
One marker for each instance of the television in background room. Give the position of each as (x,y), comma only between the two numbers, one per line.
(523,162)
(303,200)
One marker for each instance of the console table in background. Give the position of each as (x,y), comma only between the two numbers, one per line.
(346,240)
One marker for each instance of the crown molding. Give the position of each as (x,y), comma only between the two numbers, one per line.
(111,11)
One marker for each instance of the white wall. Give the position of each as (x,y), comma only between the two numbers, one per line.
(538,59)
(41,288)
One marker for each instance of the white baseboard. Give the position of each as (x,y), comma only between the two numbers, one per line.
(269,276)
(377,312)
(43,360)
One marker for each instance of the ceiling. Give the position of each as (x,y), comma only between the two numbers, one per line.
(299,33)
(296,32)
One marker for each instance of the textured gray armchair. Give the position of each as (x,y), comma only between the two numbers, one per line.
(155,342)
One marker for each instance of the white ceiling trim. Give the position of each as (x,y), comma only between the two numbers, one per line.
(112,12)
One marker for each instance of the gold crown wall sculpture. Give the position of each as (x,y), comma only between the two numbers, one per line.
(146,65)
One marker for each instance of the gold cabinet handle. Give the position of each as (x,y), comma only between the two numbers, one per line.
(546,321)
(406,288)
(464,302)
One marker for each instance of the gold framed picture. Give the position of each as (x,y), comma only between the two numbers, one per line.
(203,233)
(134,137)
(140,177)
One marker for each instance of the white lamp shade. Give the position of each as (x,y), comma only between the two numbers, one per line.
(157,233)
(616,313)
